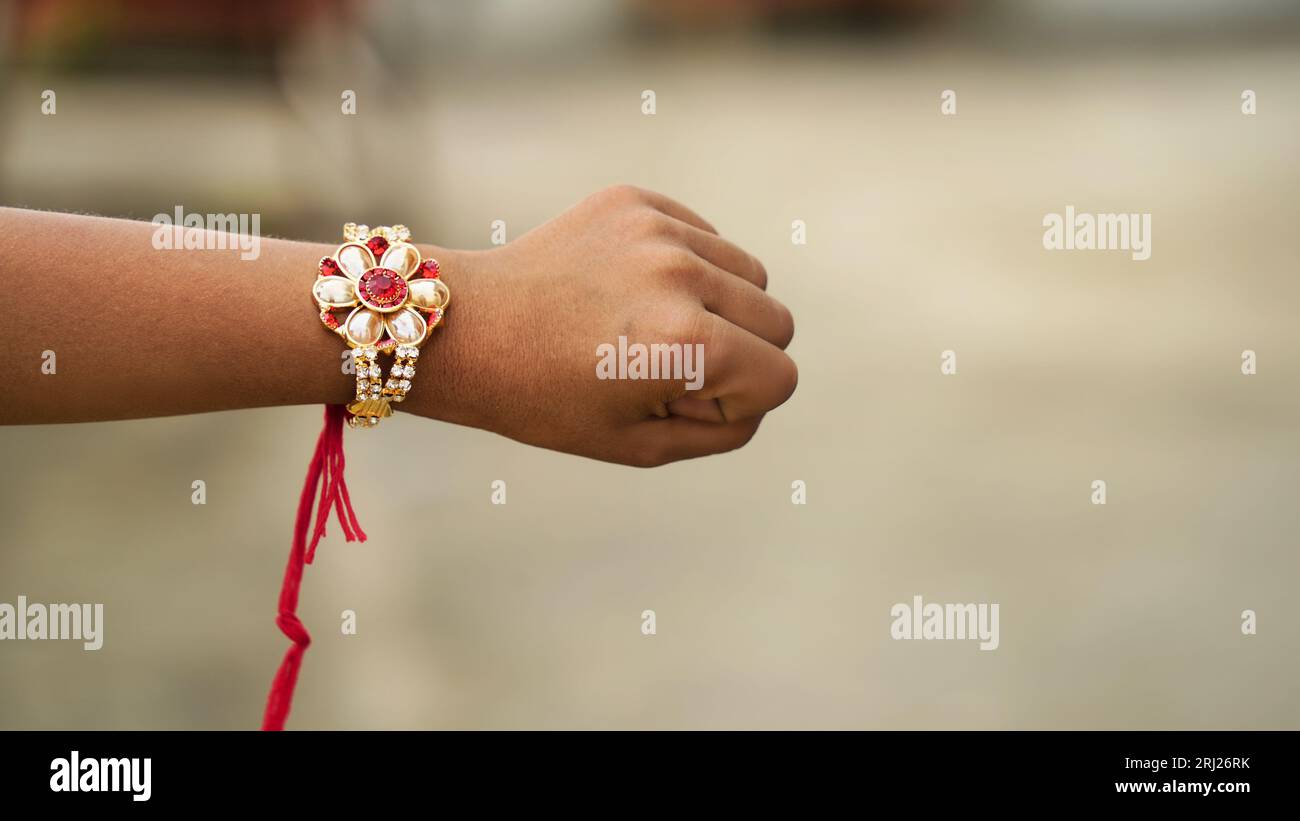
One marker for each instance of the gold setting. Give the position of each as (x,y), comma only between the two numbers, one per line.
(400,329)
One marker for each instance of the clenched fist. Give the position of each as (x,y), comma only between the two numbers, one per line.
(519,351)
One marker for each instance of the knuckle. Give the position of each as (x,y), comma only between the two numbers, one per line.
(649,224)
(684,324)
(624,192)
(662,225)
(677,326)
(678,265)
(696,329)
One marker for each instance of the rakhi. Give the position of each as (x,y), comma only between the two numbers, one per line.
(393,300)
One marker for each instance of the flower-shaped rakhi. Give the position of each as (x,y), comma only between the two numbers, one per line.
(394,300)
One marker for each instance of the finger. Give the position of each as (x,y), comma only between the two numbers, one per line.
(659,441)
(748,375)
(722,253)
(745,304)
(676,210)
(693,407)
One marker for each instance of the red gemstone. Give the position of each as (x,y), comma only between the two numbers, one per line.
(429,268)
(329,267)
(382,288)
(329,319)
(377,246)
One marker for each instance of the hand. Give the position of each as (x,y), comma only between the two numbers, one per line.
(518,351)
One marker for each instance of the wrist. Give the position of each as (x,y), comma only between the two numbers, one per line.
(383,299)
(449,356)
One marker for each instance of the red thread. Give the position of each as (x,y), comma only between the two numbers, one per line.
(326,470)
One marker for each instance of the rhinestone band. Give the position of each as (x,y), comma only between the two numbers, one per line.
(369,376)
(399,376)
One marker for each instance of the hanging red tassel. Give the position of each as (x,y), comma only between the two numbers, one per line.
(326,470)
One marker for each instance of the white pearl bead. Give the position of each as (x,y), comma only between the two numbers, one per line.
(364,326)
(336,291)
(355,260)
(406,326)
(401,258)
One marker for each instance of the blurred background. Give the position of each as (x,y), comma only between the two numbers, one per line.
(923,235)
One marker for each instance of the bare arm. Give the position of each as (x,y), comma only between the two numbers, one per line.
(139,331)
(144,332)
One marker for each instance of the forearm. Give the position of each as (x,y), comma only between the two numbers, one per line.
(137,331)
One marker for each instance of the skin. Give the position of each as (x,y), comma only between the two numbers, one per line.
(142,332)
